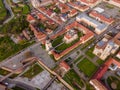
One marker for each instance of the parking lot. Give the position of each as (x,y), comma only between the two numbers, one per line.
(109,10)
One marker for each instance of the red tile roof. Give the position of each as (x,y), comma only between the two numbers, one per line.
(88,35)
(98,75)
(30,18)
(101,17)
(65,65)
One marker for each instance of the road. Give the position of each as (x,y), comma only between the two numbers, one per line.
(10,11)
(19,84)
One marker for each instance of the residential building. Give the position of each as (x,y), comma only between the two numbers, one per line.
(90,3)
(30,19)
(72,13)
(64,1)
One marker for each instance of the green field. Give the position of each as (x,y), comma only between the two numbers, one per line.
(8,47)
(33,71)
(78,59)
(87,67)
(71,77)
(99,61)
(90,52)
(3,11)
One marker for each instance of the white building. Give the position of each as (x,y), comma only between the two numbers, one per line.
(35,3)
(70,36)
(48,46)
(104,48)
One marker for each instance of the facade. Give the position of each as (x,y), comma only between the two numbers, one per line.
(90,3)
(101,17)
(118,55)
(99,27)
(101,71)
(105,47)
(87,36)
(97,85)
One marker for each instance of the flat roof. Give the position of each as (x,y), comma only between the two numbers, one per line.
(98,9)
(99,25)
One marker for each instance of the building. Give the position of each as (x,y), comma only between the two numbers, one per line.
(87,36)
(63,68)
(35,3)
(114,2)
(48,46)
(72,13)
(38,34)
(96,79)
(118,55)
(64,1)
(30,19)
(2,87)
(97,84)
(77,5)
(99,27)
(90,3)
(98,16)
(105,47)
(70,36)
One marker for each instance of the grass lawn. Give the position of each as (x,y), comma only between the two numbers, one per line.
(78,59)
(17,88)
(99,61)
(25,10)
(87,67)
(71,77)
(110,6)
(3,11)
(111,80)
(64,46)
(3,72)
(87,43)
(8,47)
(33,71)
(90,52)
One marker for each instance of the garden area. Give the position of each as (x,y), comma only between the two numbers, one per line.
(90,52)
(100,62)
(3,72)
(3,11)
(61,46)
(33,71)
(114,83)
(15,26)
(73,79)
(8,47)
(17,88)
(87,67)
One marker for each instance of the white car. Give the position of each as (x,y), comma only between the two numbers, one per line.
(118,27)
